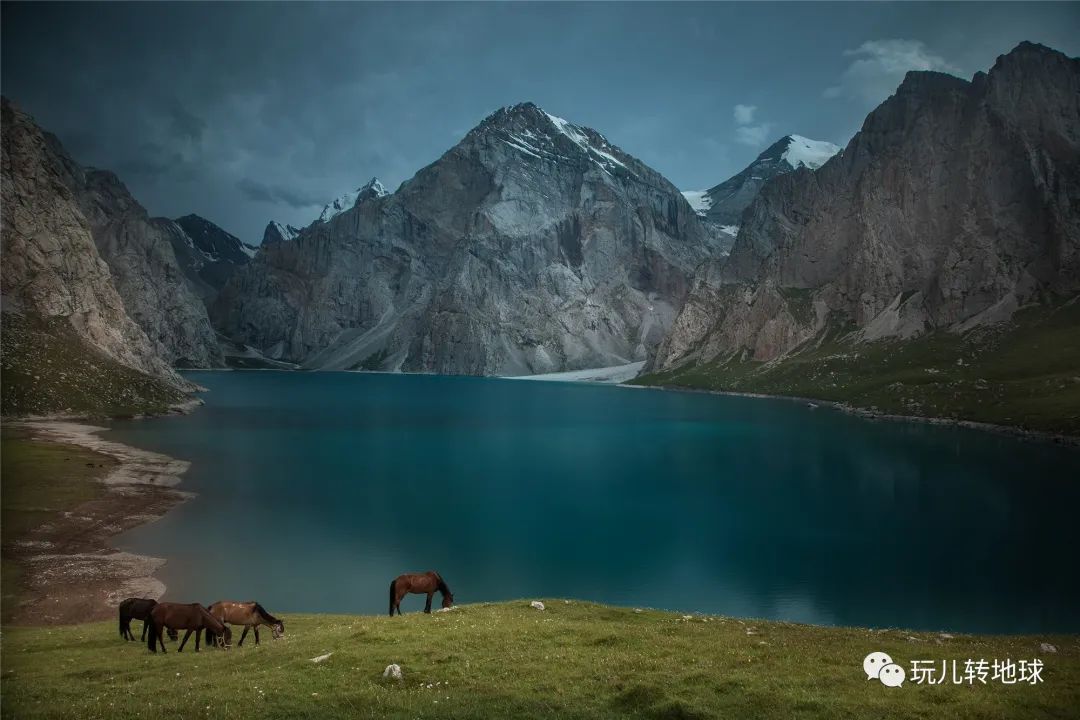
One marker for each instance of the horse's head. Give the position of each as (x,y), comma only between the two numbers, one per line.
(224,639)
(447,599)
(277,629)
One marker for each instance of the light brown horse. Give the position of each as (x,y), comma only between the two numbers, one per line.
(419,583)
(249,614)
(177,616)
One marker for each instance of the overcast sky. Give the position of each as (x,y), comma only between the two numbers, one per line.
(248,112)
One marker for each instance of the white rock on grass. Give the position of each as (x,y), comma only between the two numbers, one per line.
(537,604)
(393,671)
(1047,648)
(322,658)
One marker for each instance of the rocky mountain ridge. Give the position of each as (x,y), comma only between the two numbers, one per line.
(534,245)
(53,273)
(955,205)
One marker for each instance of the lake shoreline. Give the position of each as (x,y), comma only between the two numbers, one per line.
(73,572)
(867,414)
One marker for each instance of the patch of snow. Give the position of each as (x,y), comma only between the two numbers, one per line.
(581,139)
(249,250)
(339,205)
(287,232)
(731,230)
(698,199)
(804,152)
(348,201)
(608,375)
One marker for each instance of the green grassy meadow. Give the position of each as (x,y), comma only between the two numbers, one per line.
(1024,374)
(572,660)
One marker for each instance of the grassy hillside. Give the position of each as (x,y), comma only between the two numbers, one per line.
(1025,373)
(574,660)
(49,369)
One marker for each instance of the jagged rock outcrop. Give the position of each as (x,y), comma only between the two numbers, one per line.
(534,245)
(956,204)
(722,206)
(207,254)
(51,266)
(139,252)
(276,232)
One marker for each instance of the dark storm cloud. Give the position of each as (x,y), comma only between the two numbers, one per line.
(244,112)
(276,194)
(186,125)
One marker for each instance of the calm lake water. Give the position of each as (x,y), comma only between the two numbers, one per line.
(316,489)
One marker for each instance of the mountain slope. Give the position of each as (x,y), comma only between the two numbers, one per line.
(139,252)
(207,254)
(58,293)
(534,245)
(953,207)
(723,205)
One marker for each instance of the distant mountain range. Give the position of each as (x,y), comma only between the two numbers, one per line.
(722,206)
(536,245)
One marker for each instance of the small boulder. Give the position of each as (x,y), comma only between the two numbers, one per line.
(1047,648)
(322,658)
(393,672)
(537,604)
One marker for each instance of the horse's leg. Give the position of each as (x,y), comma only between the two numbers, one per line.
(256,629)
(197,636)
(161,636)
(186,636)
(427,605)
(242,636)
(144,624)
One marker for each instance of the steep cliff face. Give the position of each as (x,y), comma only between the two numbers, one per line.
(534,245)
(139,252)
(207,254)
(955,205)
(52,270)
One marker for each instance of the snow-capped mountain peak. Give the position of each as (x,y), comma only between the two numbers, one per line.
(804,152)
(371,189)
(537,134)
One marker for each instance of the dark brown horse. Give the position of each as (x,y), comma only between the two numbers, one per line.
(177,616)
(137,609)
(419,583)
(249,614)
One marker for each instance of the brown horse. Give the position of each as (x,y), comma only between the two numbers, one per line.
(249,614)
(419,583)
(177,616)
(137,609)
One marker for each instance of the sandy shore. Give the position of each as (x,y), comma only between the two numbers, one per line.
(71,571)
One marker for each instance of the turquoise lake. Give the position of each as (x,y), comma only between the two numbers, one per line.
(316,489)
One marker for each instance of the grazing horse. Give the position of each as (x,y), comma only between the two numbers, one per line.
(137,609)
(177,616)
(419,583)
(249,614)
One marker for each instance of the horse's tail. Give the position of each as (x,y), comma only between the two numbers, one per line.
(393,592)
(152,637)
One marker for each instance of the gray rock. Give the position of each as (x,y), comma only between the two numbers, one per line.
(139,252)
(952,207)
(532,246)
(51,265)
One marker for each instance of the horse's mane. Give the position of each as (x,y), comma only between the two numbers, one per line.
(441,584)
(207,613)
(262,611)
